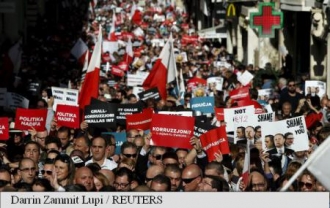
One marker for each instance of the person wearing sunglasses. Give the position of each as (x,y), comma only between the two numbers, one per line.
(27,170)
(307,182)
(5,178)
(291,96)
(128,150)
(47,172)
(152,171)
(191,177)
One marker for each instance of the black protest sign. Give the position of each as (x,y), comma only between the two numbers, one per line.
(201,128)
(151,93)
(101,115)
(127,109)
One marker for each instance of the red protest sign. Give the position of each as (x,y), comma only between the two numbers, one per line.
(214,141)
(27,118)
(139,120)
(240,93)
(115,70)
(4,128)
(172,131)
(67,115)
(219,113)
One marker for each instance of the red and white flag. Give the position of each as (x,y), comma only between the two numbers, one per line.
(165,66)
(112,32)
(12,60)
(79,51)
(85,67)
(246,167)
(90,87)
(128,56)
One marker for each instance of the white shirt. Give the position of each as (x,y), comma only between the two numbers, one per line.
(107,164)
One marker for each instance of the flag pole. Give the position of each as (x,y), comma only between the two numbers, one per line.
(319,152)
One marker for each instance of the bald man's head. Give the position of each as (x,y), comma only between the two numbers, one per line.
(84,176)
(152,172)
(191,177)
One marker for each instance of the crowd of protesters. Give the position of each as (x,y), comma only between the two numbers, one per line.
(64,159)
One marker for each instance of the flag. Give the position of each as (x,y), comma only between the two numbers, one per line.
(137,17)
(92,5)
(112,32)
(164,70)
(128,56)
(319,161)
(11,63)
(90,87)
(84,69)
(246,167)
(79,51)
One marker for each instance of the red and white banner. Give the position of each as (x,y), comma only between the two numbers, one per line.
(172,131)
(240,93)
(219,113)
(215,142)
(4,128)
(68,116)
(27,118)
(246,102)
(139,120)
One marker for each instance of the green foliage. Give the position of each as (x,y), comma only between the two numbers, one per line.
(273,73)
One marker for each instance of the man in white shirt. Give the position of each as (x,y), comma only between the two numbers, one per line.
(98,149)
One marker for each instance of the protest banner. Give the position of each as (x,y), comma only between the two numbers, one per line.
(215,83)
(139,120)
(253,121)
(64,96)
(295,126)
(27,119)
(177,113)
(238,115)
(126,109)
(67,115)
(150,93)
(265,94)
(246,102)
(120,138)
(3,94)
(4,128)
(15,100)
(215,142)
(202,104)
(245,78)
(167,133)
(313,87)
(219,113)
(240,93)
(201,128)
(101,114)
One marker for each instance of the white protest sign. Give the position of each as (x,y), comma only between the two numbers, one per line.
(110,46)
(177,113)
(159,18)
(315,88)
(137,90)
(3,92)
(15,100)
(64,96)
(215,82)
(265,94)
(245,78)
(295,125)
(136,79)
(138,32)
(237,115)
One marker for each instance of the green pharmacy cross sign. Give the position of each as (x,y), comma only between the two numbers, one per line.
(266,20)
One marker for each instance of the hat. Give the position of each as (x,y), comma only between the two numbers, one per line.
(12,128)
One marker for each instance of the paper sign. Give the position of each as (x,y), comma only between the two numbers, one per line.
(139,120)
(127,109)
(215,141)
(245,78)
(136,79)
(100,114)
(315,88)
(110,46)
(177,113)
(201,128)
(238,115)
(240,93)
(64,96)
(4,128)
(152,93)
(15,100)
(68,116)
(295,125)
(215,83)
(202,104)
(176,134)
(27,118)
